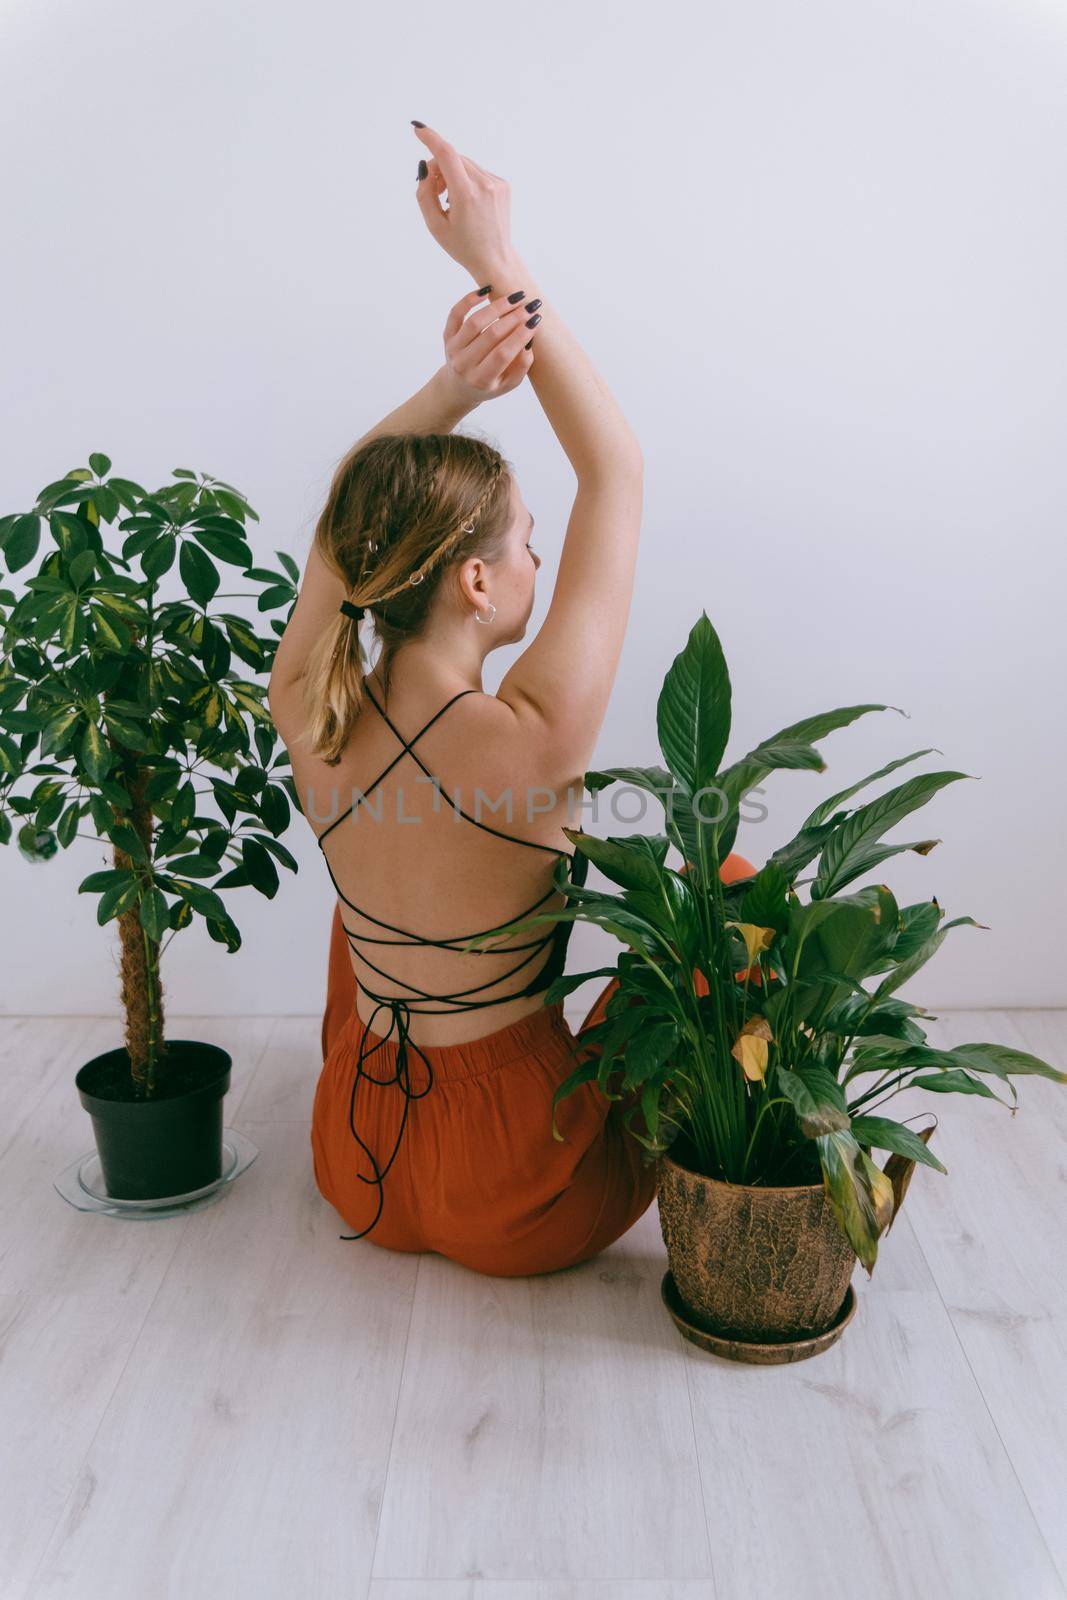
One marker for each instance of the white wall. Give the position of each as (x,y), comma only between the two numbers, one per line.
(818,250)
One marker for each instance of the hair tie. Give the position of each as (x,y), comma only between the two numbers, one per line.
(357,613)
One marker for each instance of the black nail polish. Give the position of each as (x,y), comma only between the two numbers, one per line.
(486,289)
(531,322)
(423,171)
(513,299)
(531,305)
(528,343)
(415,124)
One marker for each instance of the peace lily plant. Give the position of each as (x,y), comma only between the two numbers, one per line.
(761,1020)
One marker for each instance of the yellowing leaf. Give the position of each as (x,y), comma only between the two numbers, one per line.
(752,1054)
(756,939)
(750,1049)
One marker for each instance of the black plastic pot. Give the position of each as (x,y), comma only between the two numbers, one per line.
(170,1143)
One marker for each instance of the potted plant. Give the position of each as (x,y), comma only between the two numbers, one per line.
(756,1030)
(123,719)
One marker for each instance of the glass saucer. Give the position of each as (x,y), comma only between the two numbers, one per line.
(82,1184)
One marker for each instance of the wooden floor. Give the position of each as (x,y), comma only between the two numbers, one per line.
(235,1403)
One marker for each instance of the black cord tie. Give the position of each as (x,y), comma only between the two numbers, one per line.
(400,1012)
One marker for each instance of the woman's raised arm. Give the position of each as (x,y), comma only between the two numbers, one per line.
(562,682)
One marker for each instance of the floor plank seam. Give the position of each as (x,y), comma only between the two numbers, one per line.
(235,1111)
(988,1411)
(110,1401)
(392,1431)
(685,1359)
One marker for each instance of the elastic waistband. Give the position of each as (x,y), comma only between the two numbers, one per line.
(474,1057)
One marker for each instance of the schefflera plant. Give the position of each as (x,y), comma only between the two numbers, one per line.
(764,1025)
(124,719)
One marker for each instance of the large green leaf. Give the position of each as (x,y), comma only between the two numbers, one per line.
(635,862)
(737,780)
(199,573)
(1004,1062)
(826,808)
(817,1099)
(882,1133)
(919,956)
(693,709)
(853,940)
(853,839)
(648,1049)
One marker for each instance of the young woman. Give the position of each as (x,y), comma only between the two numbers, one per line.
(439,808)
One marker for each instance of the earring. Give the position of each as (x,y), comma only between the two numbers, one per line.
(489,618)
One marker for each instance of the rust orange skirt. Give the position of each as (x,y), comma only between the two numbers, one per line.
(477,1176)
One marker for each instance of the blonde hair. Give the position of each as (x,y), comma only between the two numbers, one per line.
(401,504)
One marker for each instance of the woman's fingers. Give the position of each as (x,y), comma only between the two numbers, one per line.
(428,194)
(448,160)
(510,342)
(485,323)
(457,318)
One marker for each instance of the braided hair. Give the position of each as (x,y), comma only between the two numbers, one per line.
(403,510)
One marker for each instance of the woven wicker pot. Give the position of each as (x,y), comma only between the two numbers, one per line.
(751,1263)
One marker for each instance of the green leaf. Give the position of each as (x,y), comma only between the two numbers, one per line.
(100,464)
(96,754)
(918,957)
(1002,1060)
(816,1097)
(96,882)
(82,568)
(159,557)
(648,1049)
(763,902)
(204,900)
(854,837)
(126,838)
(116,900)
(584,1072)
(276,596)
(193,866)
(274,808)
(635,862)
(224,931)
(828,807)
(954,1082)
(262,873)
(154,915)
(744,775)
(67,826)
(223,545)
(693,710)
(789,755)
(22,542)
(10,759)
(198,572)
(882,1133)
(277,850)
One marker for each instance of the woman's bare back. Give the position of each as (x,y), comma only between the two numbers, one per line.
(405,856)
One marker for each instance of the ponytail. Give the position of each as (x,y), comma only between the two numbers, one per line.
(333,688)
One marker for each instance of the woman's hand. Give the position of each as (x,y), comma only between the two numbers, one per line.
(475,230)
(485,352)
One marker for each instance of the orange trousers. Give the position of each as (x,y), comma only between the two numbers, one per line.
(477,1175)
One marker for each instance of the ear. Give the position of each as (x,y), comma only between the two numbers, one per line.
(471,582)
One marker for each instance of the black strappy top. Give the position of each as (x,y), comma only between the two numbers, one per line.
(401,1009)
